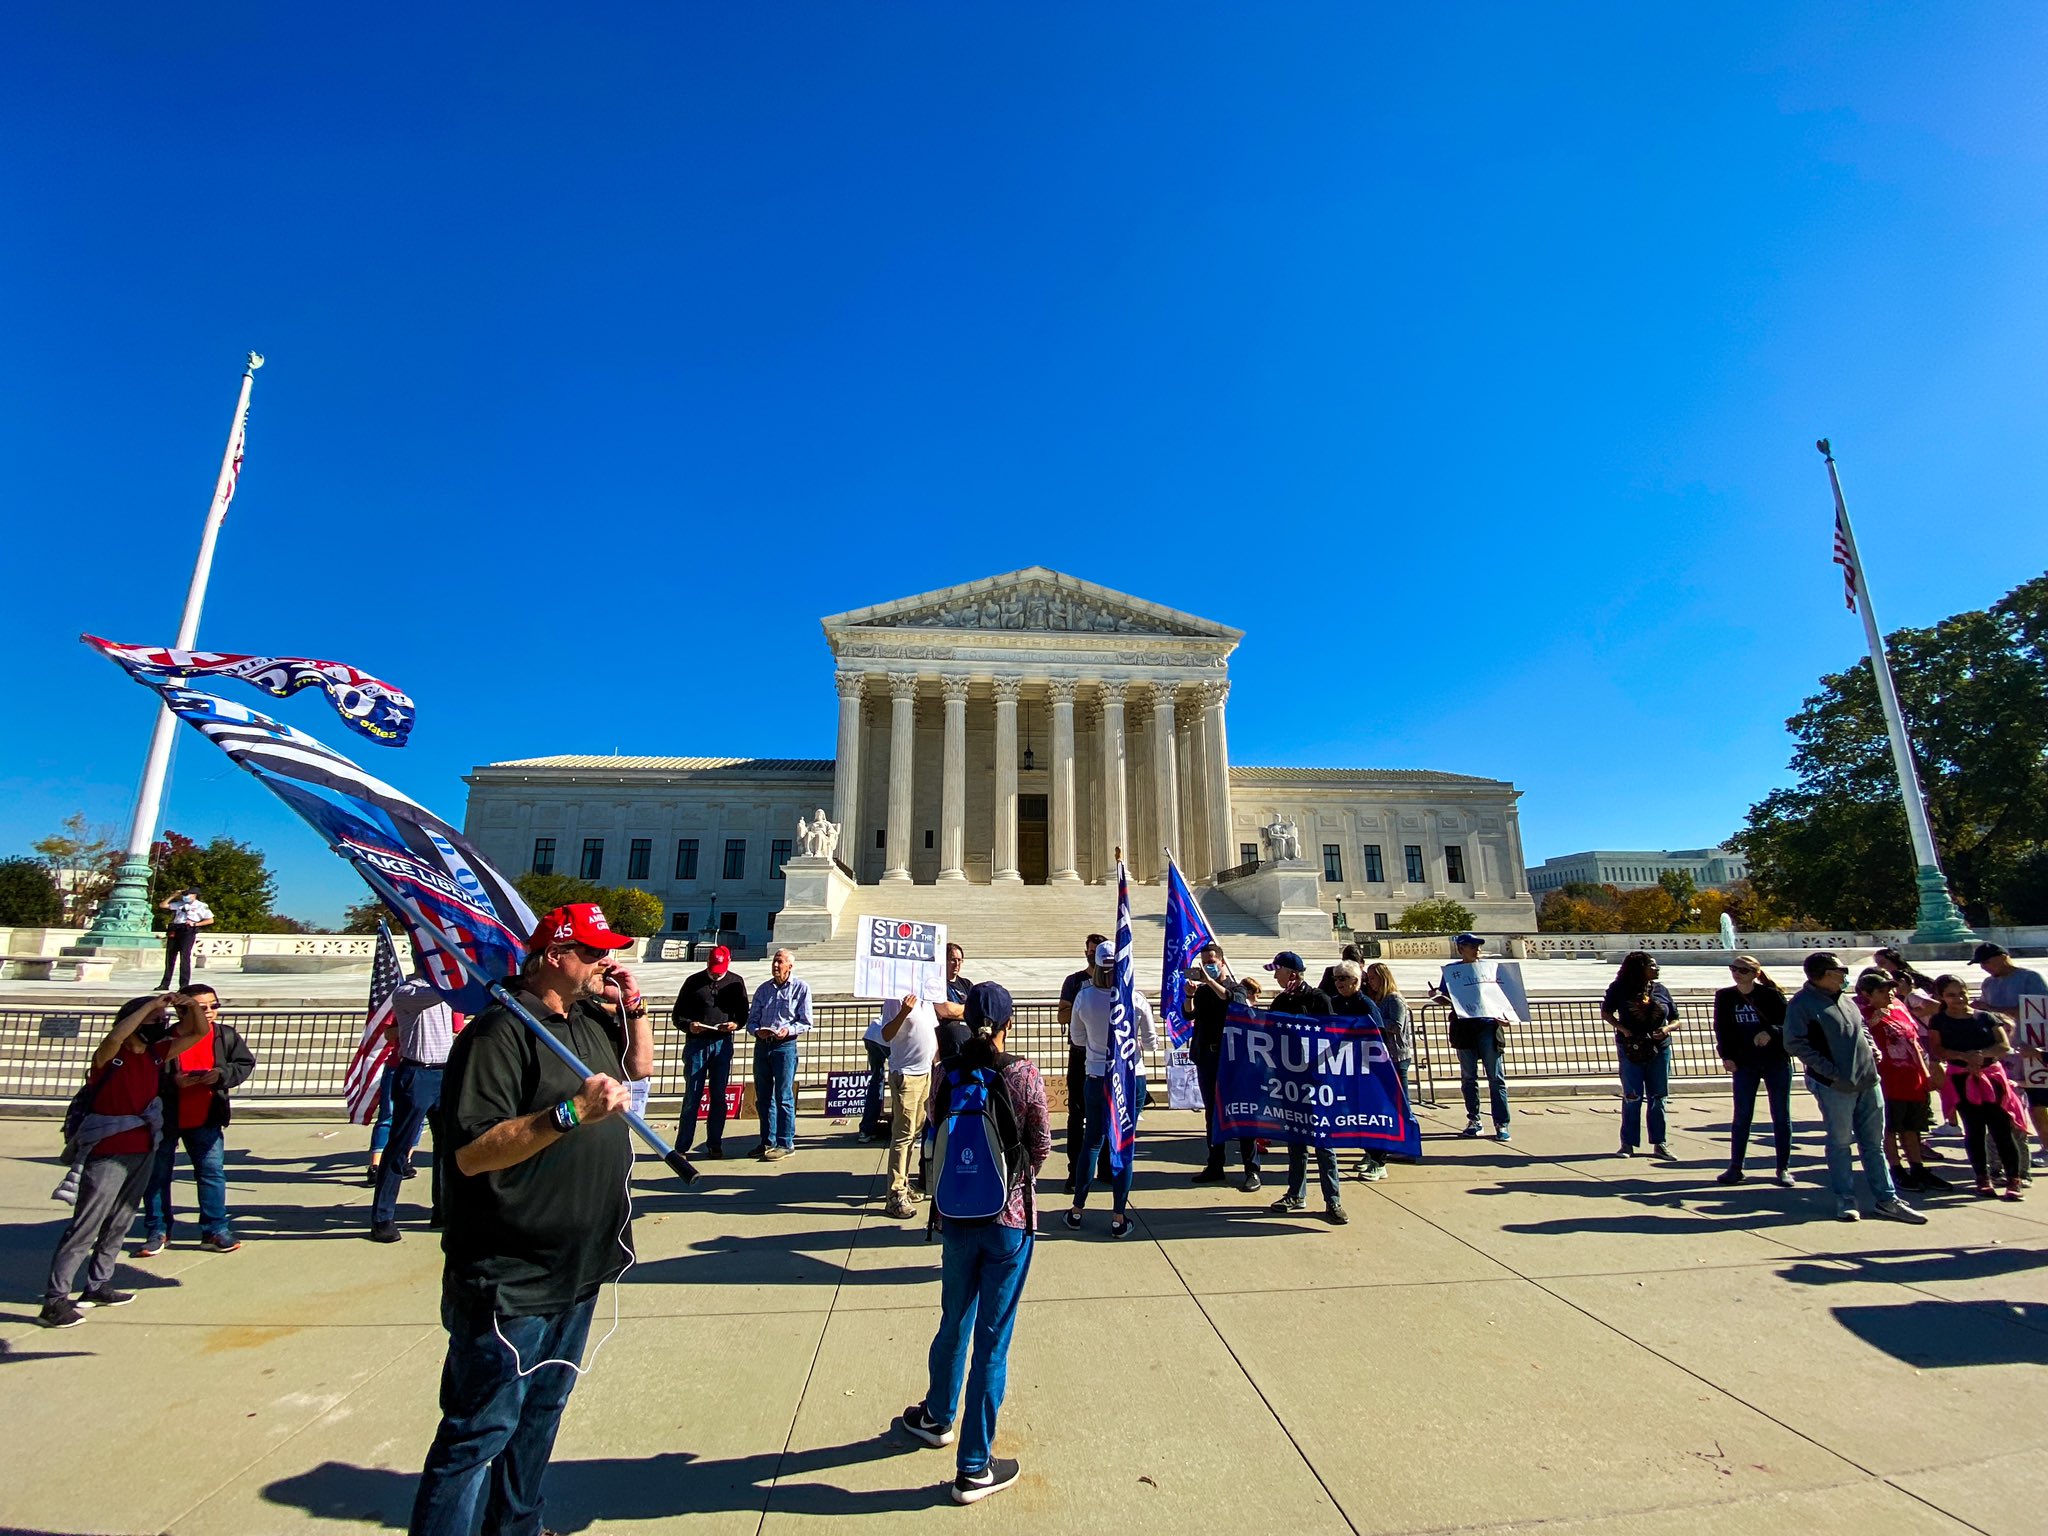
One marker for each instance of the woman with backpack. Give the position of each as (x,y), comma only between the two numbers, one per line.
(985,1099)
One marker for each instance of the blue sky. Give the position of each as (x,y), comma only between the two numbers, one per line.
(1471,362)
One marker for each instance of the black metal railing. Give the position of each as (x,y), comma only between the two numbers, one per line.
(1236,872)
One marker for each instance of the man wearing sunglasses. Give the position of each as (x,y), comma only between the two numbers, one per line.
(537,1221)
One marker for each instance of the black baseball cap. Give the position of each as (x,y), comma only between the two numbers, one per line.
(1819,964)
(988,1004)
(1986,951)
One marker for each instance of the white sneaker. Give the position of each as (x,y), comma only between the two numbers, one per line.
(1897,1210)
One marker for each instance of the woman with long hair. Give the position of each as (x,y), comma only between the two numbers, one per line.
(1640,1010)
(1749,1028)
(1903,1074)
(1972,1044)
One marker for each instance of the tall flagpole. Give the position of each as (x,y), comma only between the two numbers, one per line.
(124,918)
(1939,921)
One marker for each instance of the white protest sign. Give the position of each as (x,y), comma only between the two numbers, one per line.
(894,957)
(2032,1030)
(1487,989)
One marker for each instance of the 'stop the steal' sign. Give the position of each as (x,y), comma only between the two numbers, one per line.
(894,957)
(1318,1081)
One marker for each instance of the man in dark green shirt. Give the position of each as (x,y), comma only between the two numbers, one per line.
(537,1222)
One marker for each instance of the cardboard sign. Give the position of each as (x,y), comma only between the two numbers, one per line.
(846,1094)
(894,957)
(1183,1083)
(2031,1029)
(1486,989)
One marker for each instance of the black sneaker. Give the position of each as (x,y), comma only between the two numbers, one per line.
(1730,1176)
(1120,1226)
(1213,1174)
(64,1313)
(920,1425)
(1072,1219)
(969,1487)
(716,1149)
(1251,1182)
(1286,1204)
(385,1232)
(1335,1215)
(1930,1180)
(106,1296)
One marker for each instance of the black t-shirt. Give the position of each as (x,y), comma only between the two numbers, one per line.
(953,1033)
(1071,987)
(1305,1000)
(1978,1032)
(1210,1012)
(544,1234)
(708,999)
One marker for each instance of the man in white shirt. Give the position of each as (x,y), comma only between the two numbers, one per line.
(912,1035)
(188,915)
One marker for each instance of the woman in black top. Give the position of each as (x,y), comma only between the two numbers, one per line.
(1972,1043)
(1643,1015)
(1749,1028)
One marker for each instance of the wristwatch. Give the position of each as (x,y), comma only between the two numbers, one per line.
(565,1116)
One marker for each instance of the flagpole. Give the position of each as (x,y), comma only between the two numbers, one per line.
(1939,921)
(124,920)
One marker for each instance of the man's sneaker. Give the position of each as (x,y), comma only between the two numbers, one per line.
(714,1150)
(774,1154)
(61,1313)
(1120,1226)
(1905,1178)
(1933,1182)
(1661,1152)
(106,1296)
(1335,1215)
(1847,1213)
(1500,1133)
(1896,1209)
(1730,1176)
(1374,1172)
(920,1425)
(1285,1204)
(1624,1150)
(1072,1221)
(899,1208)
(219,1242)
(385,1232)
(1471,1128)
(970,1487)
(1783,1179)
(153,1245)
(1213,1174)
(1251,1182)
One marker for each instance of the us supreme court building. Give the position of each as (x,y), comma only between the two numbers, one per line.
(1010,731)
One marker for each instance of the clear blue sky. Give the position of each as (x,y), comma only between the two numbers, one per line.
(1471,362)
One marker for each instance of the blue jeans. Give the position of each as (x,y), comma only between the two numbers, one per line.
(380,1128)
(1644,1080)
(1777,1085)
(982,1282)
(209,1170)
(873,1120)
(416,1094)
(1297,1172)
(497,1427)
(775,1092)
(1856,1118)
(1470,1060)
(1095,1141)
(706,1059)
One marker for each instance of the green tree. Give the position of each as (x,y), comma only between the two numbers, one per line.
(1684,892)
(1973,691)
(631,910)
(1441,915)
(232,878)
(544,893)
(364,917)
(29,897)
(84,861)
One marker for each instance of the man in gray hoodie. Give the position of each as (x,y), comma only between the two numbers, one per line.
(1824,1032)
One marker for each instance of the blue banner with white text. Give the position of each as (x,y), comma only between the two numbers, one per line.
(1186,932)
(1315,1080)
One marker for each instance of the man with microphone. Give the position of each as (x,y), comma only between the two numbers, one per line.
(537,1222)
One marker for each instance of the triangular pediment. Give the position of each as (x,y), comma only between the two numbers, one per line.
(1033,599)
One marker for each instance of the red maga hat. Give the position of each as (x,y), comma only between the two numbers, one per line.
(581,922)
(721,961)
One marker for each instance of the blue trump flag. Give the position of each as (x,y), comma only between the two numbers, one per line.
(1186,932)
(1120,1082)
(1316,1080)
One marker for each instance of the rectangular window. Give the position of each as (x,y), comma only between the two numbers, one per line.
(1375,872)
(679,922)
(778,855)
(735,859)
(881,838)
(1379,921)
(1333,864)
(1415,873)
(1454,863)
(728,922)
(927,837)
(543,855)
(1247,853)
(686,858)
(592,867)
(638,853)
(771,925)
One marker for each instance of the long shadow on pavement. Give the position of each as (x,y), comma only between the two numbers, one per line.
(1933,1335)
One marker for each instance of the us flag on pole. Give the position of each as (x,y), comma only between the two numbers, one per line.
(373,1051)
(1846,561)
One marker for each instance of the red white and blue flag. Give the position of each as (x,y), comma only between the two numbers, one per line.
(1120,1081)
(1845,559)
(367,705)
(1186,932)
(374,1051)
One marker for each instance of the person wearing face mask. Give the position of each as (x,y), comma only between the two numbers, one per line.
(1749,1028)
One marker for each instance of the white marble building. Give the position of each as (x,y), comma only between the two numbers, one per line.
(1010,731)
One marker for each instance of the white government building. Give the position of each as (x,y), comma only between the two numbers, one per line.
(996,741)
(1630,869)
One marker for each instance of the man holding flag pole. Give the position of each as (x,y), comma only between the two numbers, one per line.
(1116,1020)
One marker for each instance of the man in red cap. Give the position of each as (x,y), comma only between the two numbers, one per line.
(709,1011)
(537,1222)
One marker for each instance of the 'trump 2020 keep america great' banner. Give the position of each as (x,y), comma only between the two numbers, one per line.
(1326,1082)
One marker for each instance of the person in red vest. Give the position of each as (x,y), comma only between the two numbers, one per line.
(196,1113)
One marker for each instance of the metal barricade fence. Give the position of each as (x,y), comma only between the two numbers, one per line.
(304,1054)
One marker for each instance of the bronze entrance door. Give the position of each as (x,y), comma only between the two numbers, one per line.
(1033,840)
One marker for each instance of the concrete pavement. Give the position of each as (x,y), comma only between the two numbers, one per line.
(1504,1337)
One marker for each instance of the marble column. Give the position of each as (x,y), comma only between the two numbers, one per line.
(1518,874)
(1087,751)
(953,783)
(1143,851)
(1006,873)
(902,741)
(1165,777)
(1116,802)
(1063,871)
(846,767)
(1194,812)
(1216,774)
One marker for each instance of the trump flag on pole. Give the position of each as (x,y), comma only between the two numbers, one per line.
(1121,1080)
(1186,932)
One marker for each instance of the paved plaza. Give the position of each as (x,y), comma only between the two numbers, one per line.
(1504,1338)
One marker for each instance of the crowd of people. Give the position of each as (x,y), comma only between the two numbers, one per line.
(532,1165)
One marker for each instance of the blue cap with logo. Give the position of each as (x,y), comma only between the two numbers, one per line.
(1288,960)
(988,1006)
(1470,938)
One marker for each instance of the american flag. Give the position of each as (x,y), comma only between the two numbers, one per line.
(1845,560)
(373,1051)
(234,475)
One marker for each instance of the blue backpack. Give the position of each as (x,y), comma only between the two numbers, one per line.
(978,1152)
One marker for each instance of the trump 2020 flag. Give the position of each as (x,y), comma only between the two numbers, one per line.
(373,1052)
(383,831)
(1121,1079)
(1186,932)
(367,705)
